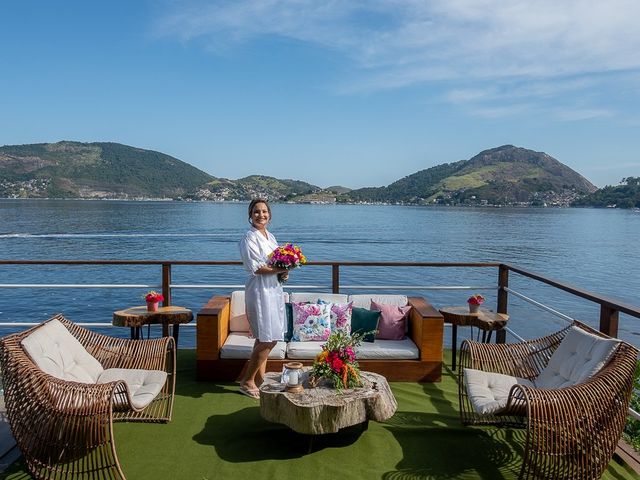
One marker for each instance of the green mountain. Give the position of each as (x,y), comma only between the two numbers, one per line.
(254,186)
(499,176)
(111,170)
(94,170)
(626,195)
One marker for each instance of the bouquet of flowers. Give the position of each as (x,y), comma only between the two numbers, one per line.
(154,297)
(287,256)
(337,361)
(475,299)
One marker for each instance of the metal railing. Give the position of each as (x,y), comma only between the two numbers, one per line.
(609,308)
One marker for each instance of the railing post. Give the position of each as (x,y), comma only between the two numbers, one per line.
(609,320)
(335,278)
(503,299)
(166,284)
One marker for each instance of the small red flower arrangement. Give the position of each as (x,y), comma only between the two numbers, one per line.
(154,297)
(475,299)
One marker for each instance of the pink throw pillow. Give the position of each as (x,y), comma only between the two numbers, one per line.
(392,324)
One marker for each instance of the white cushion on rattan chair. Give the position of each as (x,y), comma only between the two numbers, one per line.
(58,353)
(488,391)
(143,385)
(240,345)
(579,356)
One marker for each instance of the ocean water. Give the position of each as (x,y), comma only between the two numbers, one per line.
(592,249)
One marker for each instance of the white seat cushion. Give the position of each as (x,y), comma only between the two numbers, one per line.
(58,353)
(364,301)
(579,356)
(403,349)
(378,350)
(488,391)
(304,350)
(144,385)
(314,297)
(240,345)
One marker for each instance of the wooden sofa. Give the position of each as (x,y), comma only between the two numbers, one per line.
(425,329)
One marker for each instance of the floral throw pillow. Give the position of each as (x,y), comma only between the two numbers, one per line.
(340,316)
(311,322)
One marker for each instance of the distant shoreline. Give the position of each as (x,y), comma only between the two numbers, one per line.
(171,200)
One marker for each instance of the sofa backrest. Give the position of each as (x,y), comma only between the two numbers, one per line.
(364,301)
(58,353)
(314,297)
(238,316)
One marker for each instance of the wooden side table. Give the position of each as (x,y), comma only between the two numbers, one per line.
(460,316)
(137,317)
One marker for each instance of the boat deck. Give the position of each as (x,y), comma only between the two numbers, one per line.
(217,433)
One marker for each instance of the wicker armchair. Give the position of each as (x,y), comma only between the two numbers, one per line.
(64,428)
(572,432)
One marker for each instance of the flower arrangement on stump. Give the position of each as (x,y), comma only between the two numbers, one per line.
(337,361)
(153,298)
(288,256)
(474,302)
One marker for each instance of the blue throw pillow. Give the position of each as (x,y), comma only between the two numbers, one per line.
(363,320)
(288,309)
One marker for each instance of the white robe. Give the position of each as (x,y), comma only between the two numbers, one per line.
(264,297)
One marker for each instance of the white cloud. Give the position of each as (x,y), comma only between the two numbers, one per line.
(531,49)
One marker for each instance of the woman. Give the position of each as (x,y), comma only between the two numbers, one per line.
(264,298)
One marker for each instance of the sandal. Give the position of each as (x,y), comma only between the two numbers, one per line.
(249,392)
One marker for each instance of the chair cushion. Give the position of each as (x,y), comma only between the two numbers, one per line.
(303,350)
(58,353)
(311,322)
(393,324)
(240,345)
(388,350)
(144,385)
(579,356)
(364,301)
(488,391)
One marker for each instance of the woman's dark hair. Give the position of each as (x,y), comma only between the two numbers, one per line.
(254,202)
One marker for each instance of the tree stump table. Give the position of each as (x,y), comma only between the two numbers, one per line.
(322,409)
(136,317)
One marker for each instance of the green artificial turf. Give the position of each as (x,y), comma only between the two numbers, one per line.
(217,433)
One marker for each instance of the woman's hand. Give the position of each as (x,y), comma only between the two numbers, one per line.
(284,276)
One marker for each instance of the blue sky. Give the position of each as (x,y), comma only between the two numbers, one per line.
(354,93)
